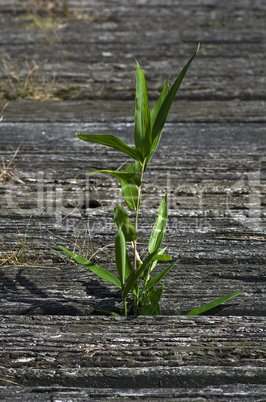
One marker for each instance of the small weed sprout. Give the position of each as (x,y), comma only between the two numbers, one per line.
(43,14)
(135,277)
(46,23)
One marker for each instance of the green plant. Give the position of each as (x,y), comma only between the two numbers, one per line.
(135,277)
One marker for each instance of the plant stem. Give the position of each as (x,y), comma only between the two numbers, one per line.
(136,302)
(125,307)
(136,297)
(135,256)
(137,214)
(148,275)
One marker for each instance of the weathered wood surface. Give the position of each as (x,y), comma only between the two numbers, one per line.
(178,357)
(211,162)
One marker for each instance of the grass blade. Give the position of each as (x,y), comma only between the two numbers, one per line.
(101,272)
(156,108)
(142,131)
(129,268)
(108,312)
(161,257)
(165,107)
(154,299)
(122,221)
(113,142)
(120,255)
(214,303)
(130,190)
(154,263)
(154,114)
(134,278)
(158,230)
(154,281)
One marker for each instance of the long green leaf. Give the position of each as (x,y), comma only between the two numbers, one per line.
(154,263)
(101,272)
(142,131)
(154,114)
(130,272)
(158,230)
(158,257)
(154,281)
(134,278)
(214,303)
(163,112)
(154,299)
(161,257)
(156,108)
(109,312)
(129,268)
(113,142)
(128,177)
(122,221)
(120,255)
(130,190)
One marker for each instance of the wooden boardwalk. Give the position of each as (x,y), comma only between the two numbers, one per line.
(69,67)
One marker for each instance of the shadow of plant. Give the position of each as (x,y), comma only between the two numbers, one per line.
(24,296)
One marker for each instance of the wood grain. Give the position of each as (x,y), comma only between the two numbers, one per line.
(211,161)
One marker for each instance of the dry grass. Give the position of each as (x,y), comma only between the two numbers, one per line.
(22,253)
(12,256)
(25,82)
(58,10)
(26,245)
(9,171)
(44,23)
(48,7)
(2,112)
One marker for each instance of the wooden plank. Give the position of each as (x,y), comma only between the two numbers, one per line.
(53,345)
(158,354)
(85,58)
(183,111)
(216,219)
(223,393)
(73,290)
